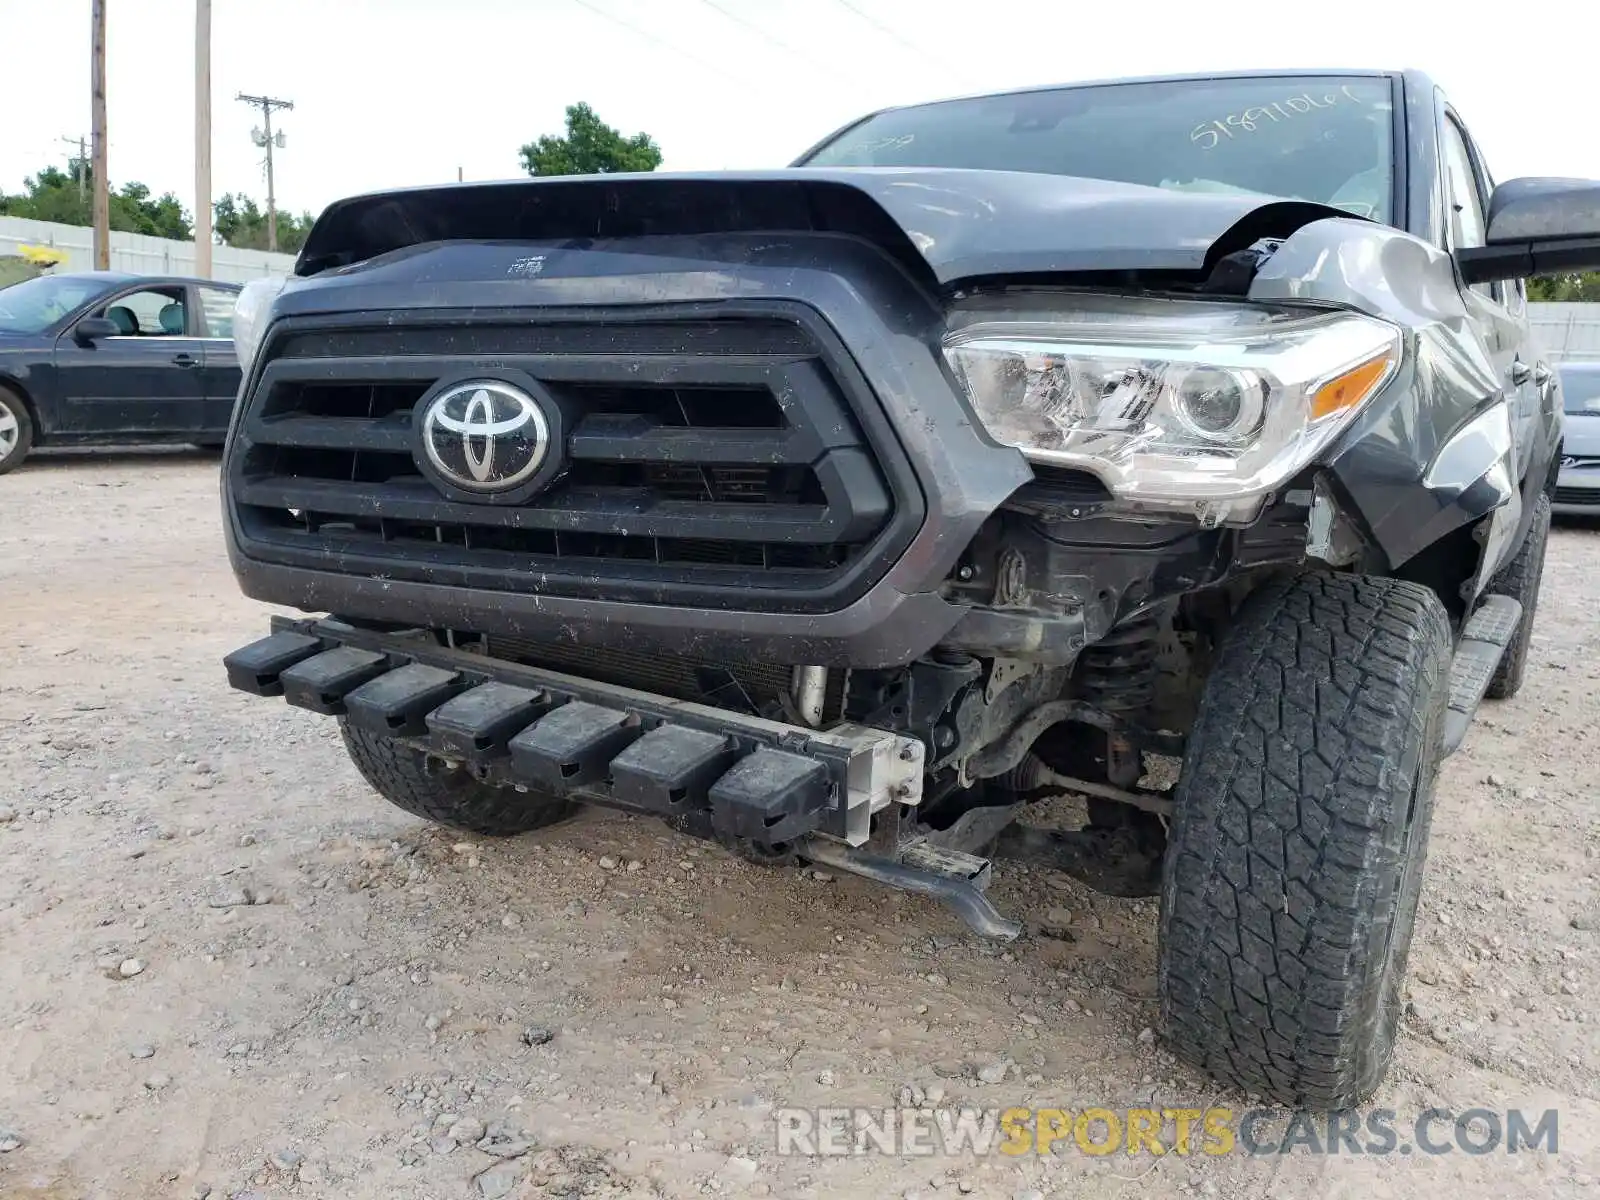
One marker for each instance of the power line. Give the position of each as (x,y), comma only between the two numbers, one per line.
(776,41)
(80,164)
(662,42)
(895,36)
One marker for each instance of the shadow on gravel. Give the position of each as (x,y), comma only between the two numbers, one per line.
(54,458)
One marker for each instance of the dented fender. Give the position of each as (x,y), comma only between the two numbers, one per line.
(1417,463)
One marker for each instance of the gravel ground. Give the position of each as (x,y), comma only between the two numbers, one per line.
(227,968)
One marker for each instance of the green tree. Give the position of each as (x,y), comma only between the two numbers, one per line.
(1566,287)
(133,210)
(591,147)
(241,223)
(54,195)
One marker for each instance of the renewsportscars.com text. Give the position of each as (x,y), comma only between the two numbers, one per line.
(843,1132)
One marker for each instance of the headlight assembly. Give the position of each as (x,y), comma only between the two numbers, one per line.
(1173,404)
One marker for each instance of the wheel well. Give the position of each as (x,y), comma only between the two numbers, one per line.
(1446,566)
(1553,472)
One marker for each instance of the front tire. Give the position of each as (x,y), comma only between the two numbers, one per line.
(1520,579)
(16,430)
(429,788)
(1296,858)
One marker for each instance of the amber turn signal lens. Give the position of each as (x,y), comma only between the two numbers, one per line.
(1351,388)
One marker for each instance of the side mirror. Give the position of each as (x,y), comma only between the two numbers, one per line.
(1537,227)
(92,329)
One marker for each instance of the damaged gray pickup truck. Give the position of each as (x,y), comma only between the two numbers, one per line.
(1002,448)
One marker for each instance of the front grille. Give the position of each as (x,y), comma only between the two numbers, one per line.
(706,461)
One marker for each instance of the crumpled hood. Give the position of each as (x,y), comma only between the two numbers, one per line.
(954,224)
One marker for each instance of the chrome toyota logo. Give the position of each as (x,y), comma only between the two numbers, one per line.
(485,435)
(1569,461)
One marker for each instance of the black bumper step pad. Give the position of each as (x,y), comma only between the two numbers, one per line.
(573,746)
(671,769)
(321,682)
(256,668)
(478,724)
(770,796)
(731,774)
(397,704)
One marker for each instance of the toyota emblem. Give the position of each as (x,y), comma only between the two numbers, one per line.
(485,435)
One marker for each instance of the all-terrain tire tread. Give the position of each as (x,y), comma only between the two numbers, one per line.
(403,776)
(1290,884)
(1520,579)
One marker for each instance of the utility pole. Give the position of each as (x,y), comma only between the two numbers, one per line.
(202,138)
(102,195)
(264,137)
(80,164)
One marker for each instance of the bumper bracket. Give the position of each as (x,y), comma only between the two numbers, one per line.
(741,775)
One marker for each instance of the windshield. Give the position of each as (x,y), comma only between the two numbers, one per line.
(1580,390)
(1325,139)
(34,305)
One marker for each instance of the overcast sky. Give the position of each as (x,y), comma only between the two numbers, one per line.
(401,92)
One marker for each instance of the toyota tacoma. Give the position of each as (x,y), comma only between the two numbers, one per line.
(1176,444)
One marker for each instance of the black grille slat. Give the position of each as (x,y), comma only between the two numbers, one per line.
(340,401)
(637,441)
(384,434)
(415,500)
(660,403)
(695,453)
(631,483)
(511,549)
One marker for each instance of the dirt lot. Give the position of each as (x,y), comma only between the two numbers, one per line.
(353,1031)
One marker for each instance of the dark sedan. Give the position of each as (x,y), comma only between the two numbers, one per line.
(104,358)
(1578,486)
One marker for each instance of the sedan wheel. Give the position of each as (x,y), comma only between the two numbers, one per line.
(16,431)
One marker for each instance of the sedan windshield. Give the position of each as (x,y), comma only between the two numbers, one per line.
(34,305)
(1323,139)
(1580,389)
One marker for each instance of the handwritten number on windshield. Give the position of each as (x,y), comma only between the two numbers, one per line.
(1211,133)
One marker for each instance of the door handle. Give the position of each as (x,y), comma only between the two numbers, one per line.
(1521,372)
(1541,374)
(185,360)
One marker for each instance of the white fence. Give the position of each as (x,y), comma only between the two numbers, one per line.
(136,253)
(1567,330)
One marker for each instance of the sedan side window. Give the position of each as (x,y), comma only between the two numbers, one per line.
(217,305)
(155,312)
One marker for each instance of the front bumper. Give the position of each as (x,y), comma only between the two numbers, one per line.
(707,771)
(1578,488)
(885,627)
